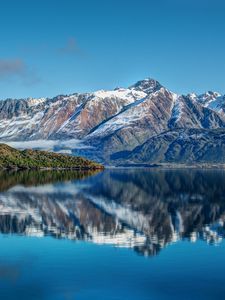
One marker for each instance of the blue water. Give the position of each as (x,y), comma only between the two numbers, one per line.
(115,235)
(33,268)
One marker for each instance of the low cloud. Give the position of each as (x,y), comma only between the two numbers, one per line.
(11,69)
(50,145)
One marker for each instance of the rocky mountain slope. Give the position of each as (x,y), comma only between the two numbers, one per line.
(113,126)
(186,146)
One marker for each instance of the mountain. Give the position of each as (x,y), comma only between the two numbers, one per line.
(113,126)
(186,146)
(11,158)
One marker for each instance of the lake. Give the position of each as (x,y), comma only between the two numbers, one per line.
(117,234)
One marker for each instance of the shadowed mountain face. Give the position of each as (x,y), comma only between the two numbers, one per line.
(140,209)
(125,125)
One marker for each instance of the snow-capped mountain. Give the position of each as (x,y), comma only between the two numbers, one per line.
(105,125)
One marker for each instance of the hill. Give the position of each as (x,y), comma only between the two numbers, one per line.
(11,158)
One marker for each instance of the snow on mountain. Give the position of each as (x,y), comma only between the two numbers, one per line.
(126,94)
(176,111)
(130,115)
(216,104)
(109,121)
(98,107)
(208,97)
(213,100)
(35,101)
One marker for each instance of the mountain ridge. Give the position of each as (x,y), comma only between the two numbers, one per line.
(108,122)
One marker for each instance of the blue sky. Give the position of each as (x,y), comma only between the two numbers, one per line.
(51,47)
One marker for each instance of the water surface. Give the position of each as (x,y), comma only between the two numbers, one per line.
(118,234)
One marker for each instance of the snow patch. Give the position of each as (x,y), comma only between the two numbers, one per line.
(120,93)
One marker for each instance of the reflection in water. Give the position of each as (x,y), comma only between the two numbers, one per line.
(141,209)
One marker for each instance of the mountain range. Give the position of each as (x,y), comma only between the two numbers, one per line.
(145,123)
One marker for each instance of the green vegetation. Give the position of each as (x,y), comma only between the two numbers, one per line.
(11,158)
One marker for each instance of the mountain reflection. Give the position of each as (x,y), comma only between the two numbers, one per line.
(141,209)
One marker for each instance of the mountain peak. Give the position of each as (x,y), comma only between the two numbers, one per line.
(147,85)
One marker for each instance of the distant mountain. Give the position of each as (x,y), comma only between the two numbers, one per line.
(116,126)
(186,146)
(11,158)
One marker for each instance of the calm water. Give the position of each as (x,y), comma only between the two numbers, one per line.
(119,234)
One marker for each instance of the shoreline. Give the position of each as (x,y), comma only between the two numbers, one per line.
(52,169)
(168,166)
(128,167)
